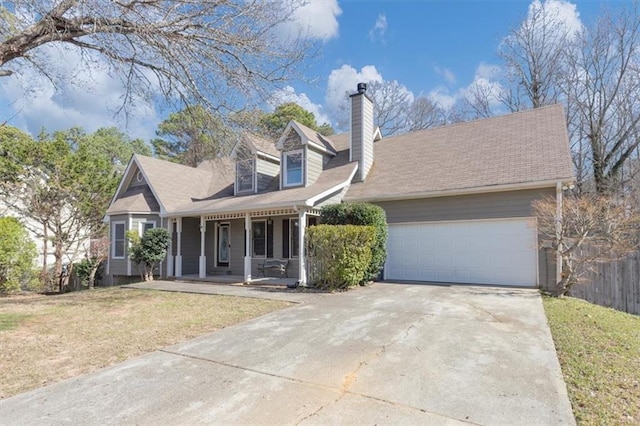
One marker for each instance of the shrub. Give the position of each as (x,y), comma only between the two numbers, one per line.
(339,255)
(17,252)
(362,214)
(149,249)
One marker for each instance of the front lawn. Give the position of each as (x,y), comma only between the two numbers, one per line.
(45,339)
(599,351)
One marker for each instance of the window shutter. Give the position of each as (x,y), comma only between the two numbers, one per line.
(270,239)
(285,238)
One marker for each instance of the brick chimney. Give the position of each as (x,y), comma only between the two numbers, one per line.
(361,137)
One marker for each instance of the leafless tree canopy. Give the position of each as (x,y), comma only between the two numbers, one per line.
(602,92)
(208,51)
(533,54)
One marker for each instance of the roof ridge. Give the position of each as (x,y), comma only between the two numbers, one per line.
(477,120)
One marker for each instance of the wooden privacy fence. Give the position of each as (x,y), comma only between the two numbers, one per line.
(613,284)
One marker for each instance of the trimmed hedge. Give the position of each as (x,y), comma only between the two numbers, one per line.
(362,214)
(339,255)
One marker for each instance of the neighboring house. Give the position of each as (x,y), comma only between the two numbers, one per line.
(457,198)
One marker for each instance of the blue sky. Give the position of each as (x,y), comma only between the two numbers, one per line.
(434,48)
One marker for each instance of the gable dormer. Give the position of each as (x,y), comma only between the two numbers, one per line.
(303,154)
(257,165)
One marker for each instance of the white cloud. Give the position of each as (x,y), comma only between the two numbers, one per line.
(317,19)
(379,28)
(344,80)
(288,94)
(484,82)
(562,11)
(87,96)
(447,74)
(443,97)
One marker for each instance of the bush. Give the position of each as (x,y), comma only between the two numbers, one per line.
(17,252)
(339,255)
(149,249)
(367,215)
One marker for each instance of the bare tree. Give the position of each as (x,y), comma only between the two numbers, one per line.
(424,114)
(209,51)
(603,96)
(590,229)
(534,55)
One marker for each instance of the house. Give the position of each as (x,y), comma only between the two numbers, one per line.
(457,198)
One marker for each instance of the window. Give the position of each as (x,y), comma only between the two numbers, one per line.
(259,238)
(143,226)
(295,239)
(117,240)
(293,168)
(244,175)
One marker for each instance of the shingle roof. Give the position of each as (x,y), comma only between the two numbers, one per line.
(175,184)
(337,172)
(261,144)
(315,137)
(135,199)
(524,147)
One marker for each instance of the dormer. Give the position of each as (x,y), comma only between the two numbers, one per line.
(257,165)
(303,154)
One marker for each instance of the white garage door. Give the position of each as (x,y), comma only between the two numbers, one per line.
(479,252)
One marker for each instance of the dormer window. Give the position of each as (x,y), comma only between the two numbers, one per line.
(245,175)
(293,168)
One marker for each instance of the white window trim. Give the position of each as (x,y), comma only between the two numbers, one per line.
(113,242)
(253,254)
(253,176)
(285,182)
(141,226)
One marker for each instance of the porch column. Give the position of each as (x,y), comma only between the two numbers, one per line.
(247,253)
(302,256)
(178,247)
(203,260)
(170,249)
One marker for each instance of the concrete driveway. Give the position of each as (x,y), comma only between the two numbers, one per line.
(385,354)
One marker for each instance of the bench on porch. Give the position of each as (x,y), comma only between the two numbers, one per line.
(276,265)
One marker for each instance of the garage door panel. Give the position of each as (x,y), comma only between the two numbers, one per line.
(483,252)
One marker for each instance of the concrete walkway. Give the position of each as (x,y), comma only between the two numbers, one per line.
(385,354)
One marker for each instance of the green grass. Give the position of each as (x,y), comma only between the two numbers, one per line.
(599,351)
(9,321)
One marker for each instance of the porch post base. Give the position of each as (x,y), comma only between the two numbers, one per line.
(203,267)
(247,269)
(178,266)
(170,265)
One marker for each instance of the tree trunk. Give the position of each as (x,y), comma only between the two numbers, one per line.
(92,275)
(44,274)
(58,264)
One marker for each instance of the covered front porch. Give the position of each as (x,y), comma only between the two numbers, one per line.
(231,246)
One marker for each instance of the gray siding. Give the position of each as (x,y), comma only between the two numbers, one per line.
(362,134)
(267,171)
(367,142)
(355,143)
(236,261)
(190,245)
(314,165)
(118,266)
(465,207)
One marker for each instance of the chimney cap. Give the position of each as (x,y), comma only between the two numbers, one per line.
(362,87)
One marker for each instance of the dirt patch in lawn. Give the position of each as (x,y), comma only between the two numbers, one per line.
(45,339)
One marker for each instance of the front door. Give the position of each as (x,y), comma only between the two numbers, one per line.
(223,245)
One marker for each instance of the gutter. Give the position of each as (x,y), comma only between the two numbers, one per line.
(463,191)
